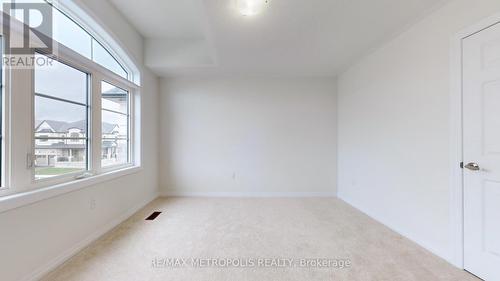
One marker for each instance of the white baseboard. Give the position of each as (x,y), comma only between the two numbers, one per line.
(250,194)
(403,233)
(57,261)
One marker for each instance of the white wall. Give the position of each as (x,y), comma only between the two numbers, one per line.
(394,129)
(275,135)
(35,237)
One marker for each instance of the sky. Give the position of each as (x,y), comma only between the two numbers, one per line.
(65,82)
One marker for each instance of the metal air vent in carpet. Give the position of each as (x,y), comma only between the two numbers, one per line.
(153,216)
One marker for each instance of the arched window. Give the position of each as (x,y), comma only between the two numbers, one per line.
(80,85)
(71,34)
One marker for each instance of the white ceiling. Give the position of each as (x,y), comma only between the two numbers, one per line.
(290,37)
(163,18)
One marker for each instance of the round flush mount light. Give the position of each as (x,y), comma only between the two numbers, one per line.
(251,7)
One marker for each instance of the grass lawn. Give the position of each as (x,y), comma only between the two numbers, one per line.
(53,171)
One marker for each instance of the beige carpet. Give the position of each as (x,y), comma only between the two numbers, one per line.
(263,239)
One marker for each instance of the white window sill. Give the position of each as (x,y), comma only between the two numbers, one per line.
(14,201)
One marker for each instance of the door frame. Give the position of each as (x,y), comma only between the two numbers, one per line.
(456,138)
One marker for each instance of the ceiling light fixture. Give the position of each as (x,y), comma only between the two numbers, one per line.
(251,7)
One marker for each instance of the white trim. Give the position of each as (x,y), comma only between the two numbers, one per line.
(14,201)
(60,259)
(456,138)
(456,183)
(249,194)
(5,119)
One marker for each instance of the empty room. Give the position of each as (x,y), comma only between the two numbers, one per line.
(258,140)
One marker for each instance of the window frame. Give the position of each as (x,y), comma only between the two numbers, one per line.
(96,74)
(3,124)
(6,167)
(18,161)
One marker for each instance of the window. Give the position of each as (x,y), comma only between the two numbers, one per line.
(70,34)
(115,125)
(72,118)
(61,94)
(73,36)
(104,58)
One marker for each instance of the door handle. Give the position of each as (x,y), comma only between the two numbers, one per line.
(473,167)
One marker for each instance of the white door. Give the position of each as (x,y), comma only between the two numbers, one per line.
(481,139)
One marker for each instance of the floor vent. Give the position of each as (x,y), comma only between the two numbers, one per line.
(153,216)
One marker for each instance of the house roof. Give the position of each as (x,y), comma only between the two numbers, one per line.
(63,127)
(105,144)
(61,146)
(108,128)
(115,92)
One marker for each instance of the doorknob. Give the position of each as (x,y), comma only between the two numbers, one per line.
(472,167)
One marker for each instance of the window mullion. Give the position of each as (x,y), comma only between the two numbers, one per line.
(135,136)
(22,123)
(95,119)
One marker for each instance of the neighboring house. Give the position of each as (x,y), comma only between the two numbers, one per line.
(62,144)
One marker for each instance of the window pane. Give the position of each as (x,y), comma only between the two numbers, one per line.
(57,157)
(114,152)
(104,58)
(61,81)
(114,98)
(71,34)
(59,119)
(114,125)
